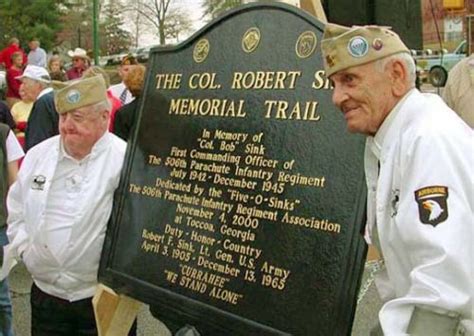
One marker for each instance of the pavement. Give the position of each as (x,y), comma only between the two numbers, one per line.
(20,284)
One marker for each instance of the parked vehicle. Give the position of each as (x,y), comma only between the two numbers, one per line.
(3,83)
(438,65)
(143,54)
(2,78)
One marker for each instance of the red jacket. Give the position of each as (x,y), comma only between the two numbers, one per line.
(116,104)
(13,84)
(6,55)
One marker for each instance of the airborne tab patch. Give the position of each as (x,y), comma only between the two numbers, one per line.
(432,204)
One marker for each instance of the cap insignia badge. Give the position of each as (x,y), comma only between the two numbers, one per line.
(73,96)
(377,44)
(358,46)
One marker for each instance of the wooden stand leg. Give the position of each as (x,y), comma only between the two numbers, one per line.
(314,7)
(373,253)
(114,314)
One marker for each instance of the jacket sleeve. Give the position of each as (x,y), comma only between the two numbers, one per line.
(433,230)
(16,230)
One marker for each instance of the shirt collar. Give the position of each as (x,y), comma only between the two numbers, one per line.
(44,91)
(376,142)
(100,145)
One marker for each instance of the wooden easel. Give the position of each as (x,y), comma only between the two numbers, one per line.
(315,8)
(114,313)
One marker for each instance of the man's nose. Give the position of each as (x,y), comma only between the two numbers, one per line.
(67,121)
(338,96)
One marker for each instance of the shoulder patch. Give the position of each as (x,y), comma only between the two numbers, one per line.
(432,204)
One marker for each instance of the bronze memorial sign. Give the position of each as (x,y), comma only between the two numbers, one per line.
(241,202)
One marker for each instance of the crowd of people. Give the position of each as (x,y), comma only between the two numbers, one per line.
(418,165)
(31,76)
(64,121)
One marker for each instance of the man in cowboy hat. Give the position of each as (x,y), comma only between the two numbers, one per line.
(419,179)
(80,63)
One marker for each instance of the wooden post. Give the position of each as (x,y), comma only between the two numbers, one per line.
(314,7)
(114,314)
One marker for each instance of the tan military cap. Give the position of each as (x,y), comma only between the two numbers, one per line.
(79,93)
(345,47)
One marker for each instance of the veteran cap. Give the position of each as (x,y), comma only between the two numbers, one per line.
(80,93)
(345,47)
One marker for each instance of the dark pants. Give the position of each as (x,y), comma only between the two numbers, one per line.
(52,316)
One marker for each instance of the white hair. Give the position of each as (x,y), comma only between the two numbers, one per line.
(406,59)
(43,84)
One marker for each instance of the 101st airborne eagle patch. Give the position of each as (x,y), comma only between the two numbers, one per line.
(432,204)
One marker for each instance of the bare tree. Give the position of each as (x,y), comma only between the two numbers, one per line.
(177,23)
(168,19)
(213,8)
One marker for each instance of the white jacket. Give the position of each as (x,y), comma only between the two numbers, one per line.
(75,277)
(426,158)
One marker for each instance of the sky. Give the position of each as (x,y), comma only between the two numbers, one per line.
(192,7)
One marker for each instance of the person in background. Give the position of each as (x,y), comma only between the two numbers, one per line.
(10,153)
(5,115)
(55,69)
(115,103)
(459,90)
(120,91)
(80,63)
(59,208)
(13,84)
(419,182)
(37,56)
(20,113)
(6,53)
(43,119)
(125,118)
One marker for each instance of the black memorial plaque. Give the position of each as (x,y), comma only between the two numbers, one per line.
(242,195)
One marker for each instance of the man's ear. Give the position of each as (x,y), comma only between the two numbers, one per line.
(399,77)
(105,115)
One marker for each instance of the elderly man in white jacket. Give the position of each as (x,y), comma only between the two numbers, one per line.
(59,208)
(418,165)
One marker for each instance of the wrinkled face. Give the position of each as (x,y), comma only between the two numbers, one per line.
(80,129)
(24,96)
(31,88)
(55,66)
(78,62)
(364,96)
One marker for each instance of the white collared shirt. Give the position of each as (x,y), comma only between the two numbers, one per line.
(118,89)
(44,91)
(40,212)
(64,201)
